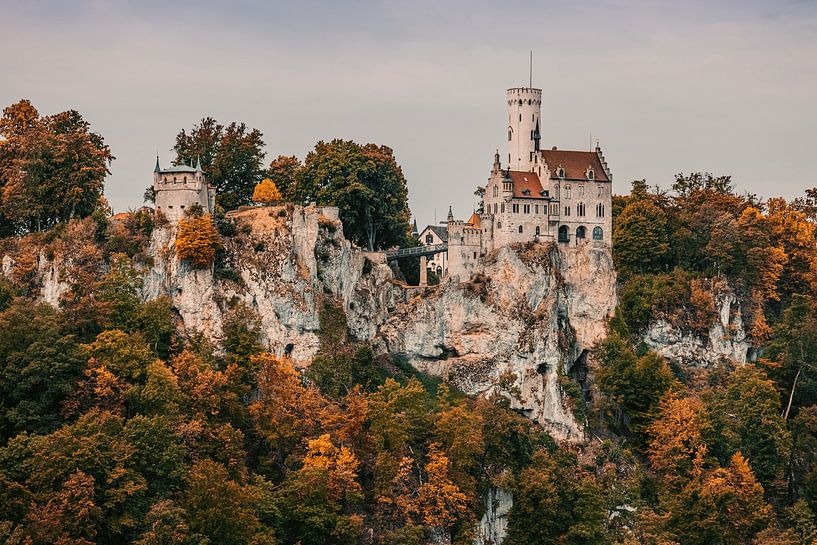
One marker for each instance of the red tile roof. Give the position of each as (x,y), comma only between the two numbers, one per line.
(526,185)
(575,164)
(473,221)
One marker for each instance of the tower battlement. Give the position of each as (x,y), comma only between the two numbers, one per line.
(177,189)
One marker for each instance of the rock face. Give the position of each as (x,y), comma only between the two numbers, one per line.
(726,339)
(494,523)
(282,261)
(516,327)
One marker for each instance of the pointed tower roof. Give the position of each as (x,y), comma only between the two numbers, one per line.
(414,230)
(157,168)
(450,214)
(198,163)
(473,221)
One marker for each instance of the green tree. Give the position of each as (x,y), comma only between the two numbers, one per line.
(365,183)
(555,502)
(52,168)
(39,365)
(640,240)
(285,171)
(232,158)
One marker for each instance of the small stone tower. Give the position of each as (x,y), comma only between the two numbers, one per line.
(524,107)
(178,188)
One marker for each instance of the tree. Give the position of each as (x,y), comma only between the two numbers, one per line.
(231,157)
(365,183)
(39,364)
(219,508)
(197,241)
(284,171)
(266,192)
(640,241)
(555,502)
(52,168)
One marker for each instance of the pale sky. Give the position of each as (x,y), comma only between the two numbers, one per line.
(718,86)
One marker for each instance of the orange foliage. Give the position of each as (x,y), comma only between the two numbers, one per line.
(677,449)
(266,192)
(338,465)
(197,241)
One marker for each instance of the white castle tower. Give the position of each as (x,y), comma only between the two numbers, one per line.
(524,107)
(177,189)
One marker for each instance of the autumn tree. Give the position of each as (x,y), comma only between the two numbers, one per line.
(197,241)
(266,192)
(365,183)
(285,171)
(52,168)
(232,158)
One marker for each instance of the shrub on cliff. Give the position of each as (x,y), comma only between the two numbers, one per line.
(197,241)
(266,192)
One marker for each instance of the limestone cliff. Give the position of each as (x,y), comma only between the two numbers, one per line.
(725,341)
(281,262)
(516,327)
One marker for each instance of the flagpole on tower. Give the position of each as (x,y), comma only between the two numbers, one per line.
(530,85)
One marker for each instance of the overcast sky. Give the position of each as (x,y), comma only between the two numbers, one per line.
(724,87)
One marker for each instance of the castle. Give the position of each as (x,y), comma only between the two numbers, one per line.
(542,194)
(177,189)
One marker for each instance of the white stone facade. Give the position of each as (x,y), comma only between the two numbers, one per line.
(178,188)
(542,195)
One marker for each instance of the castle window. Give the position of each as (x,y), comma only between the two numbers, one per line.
(526,192)
(581,232)
(182,207)
(563,233)
(554,209)
(496,191)
(567,211)
(580,190)
(429,238)
(520,228)
(590,174)
(537,230)
(510,136)
(499,225)
(600,210)
(503,207)
(580,209)
(561,172)
(601,189)
(171,207)
(515,208)
(475,255)
(174,179)
(184,179)
(526,209)
(536,208)
(598,234)
(567,192)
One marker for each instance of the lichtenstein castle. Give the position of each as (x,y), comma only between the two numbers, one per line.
(542,194)
(178,188)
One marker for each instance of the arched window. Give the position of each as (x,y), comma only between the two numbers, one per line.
(561,172)
(598,234)
(496,191)
(563,233)
(499,225)
(600,210)
(510,134)
(503,207)
(581,232)
(567,211)
(537,231)
(567,192)
(429,238)
(520,228)
(580,209)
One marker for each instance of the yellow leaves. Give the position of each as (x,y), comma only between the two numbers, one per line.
(197,241)
(439,500)
(338,465)
(266,192)
(677,446)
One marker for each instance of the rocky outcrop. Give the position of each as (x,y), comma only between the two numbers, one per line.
(726,340)
(510,328)
(493,526)
(280,262)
